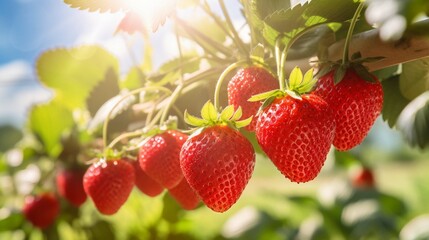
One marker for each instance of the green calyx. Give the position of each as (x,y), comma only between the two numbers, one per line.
(340,69)
(211,117)
(297,84)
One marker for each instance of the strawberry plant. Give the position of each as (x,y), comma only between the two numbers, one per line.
(297,84)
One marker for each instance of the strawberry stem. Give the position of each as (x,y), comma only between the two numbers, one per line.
(173,97)
(350,33)
(277,53)
(240,44)
(222,77)
(135,91)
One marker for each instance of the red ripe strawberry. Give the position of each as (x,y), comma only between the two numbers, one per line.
(363,178)
(159,158)
(146,184)
(109,183)
(185,195)
(297,135)
(70,186)
(218,163)
(41,210)
(246,83)
(356,104)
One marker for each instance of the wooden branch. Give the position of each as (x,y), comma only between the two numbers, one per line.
(410,48)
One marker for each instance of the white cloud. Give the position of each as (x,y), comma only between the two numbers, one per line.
(18,91)
(14,106)
(15,71)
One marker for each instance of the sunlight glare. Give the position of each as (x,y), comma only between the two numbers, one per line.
(152,12)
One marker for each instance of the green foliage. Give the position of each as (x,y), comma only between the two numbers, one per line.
(102,92)
(414,79)
(10,221)
(299,18)
(73,72)
(394,102)
(9,136)
(413,121)
(49,122)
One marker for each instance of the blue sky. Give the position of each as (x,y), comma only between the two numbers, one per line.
(29,27)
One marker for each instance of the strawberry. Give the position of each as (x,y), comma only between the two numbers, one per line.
(246,83)
(218,163)
(146,184)
(159,158)
(131,23)
(109,183)
(70,186)
(363,178)
(41,210)
(356,103)
(296,134)
(185,195)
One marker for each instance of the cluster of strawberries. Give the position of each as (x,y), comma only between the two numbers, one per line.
(215,163)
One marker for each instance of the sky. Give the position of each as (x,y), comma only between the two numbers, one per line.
(29,27)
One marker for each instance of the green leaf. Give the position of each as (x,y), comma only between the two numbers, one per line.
(308,76)
(237,114)
(114,106)
(308,83)
(258,53)
(266,103)
(49,122)
(413,122)
(265,95)
(73,72)
(355,56)
(392,205)
(280,17)
(102,92)
(208,112)
(414,79)
(227,113)
(293,94)
(9,136)
(243,123)
(345,159)
(394,102)
(10,221)
(386,73)
(363,73)
(194,121)
(133,80)
(295,78)
(187,64)
(98,5)
(339,74)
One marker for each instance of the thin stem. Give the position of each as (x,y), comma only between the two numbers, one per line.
(350,33)
(124,136)
(106,122)
(192,31)
(222,77)
(280,70)
(173,97)
(179,48)
(240,44)
(207,9)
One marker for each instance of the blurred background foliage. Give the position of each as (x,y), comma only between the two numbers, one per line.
(332,206)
